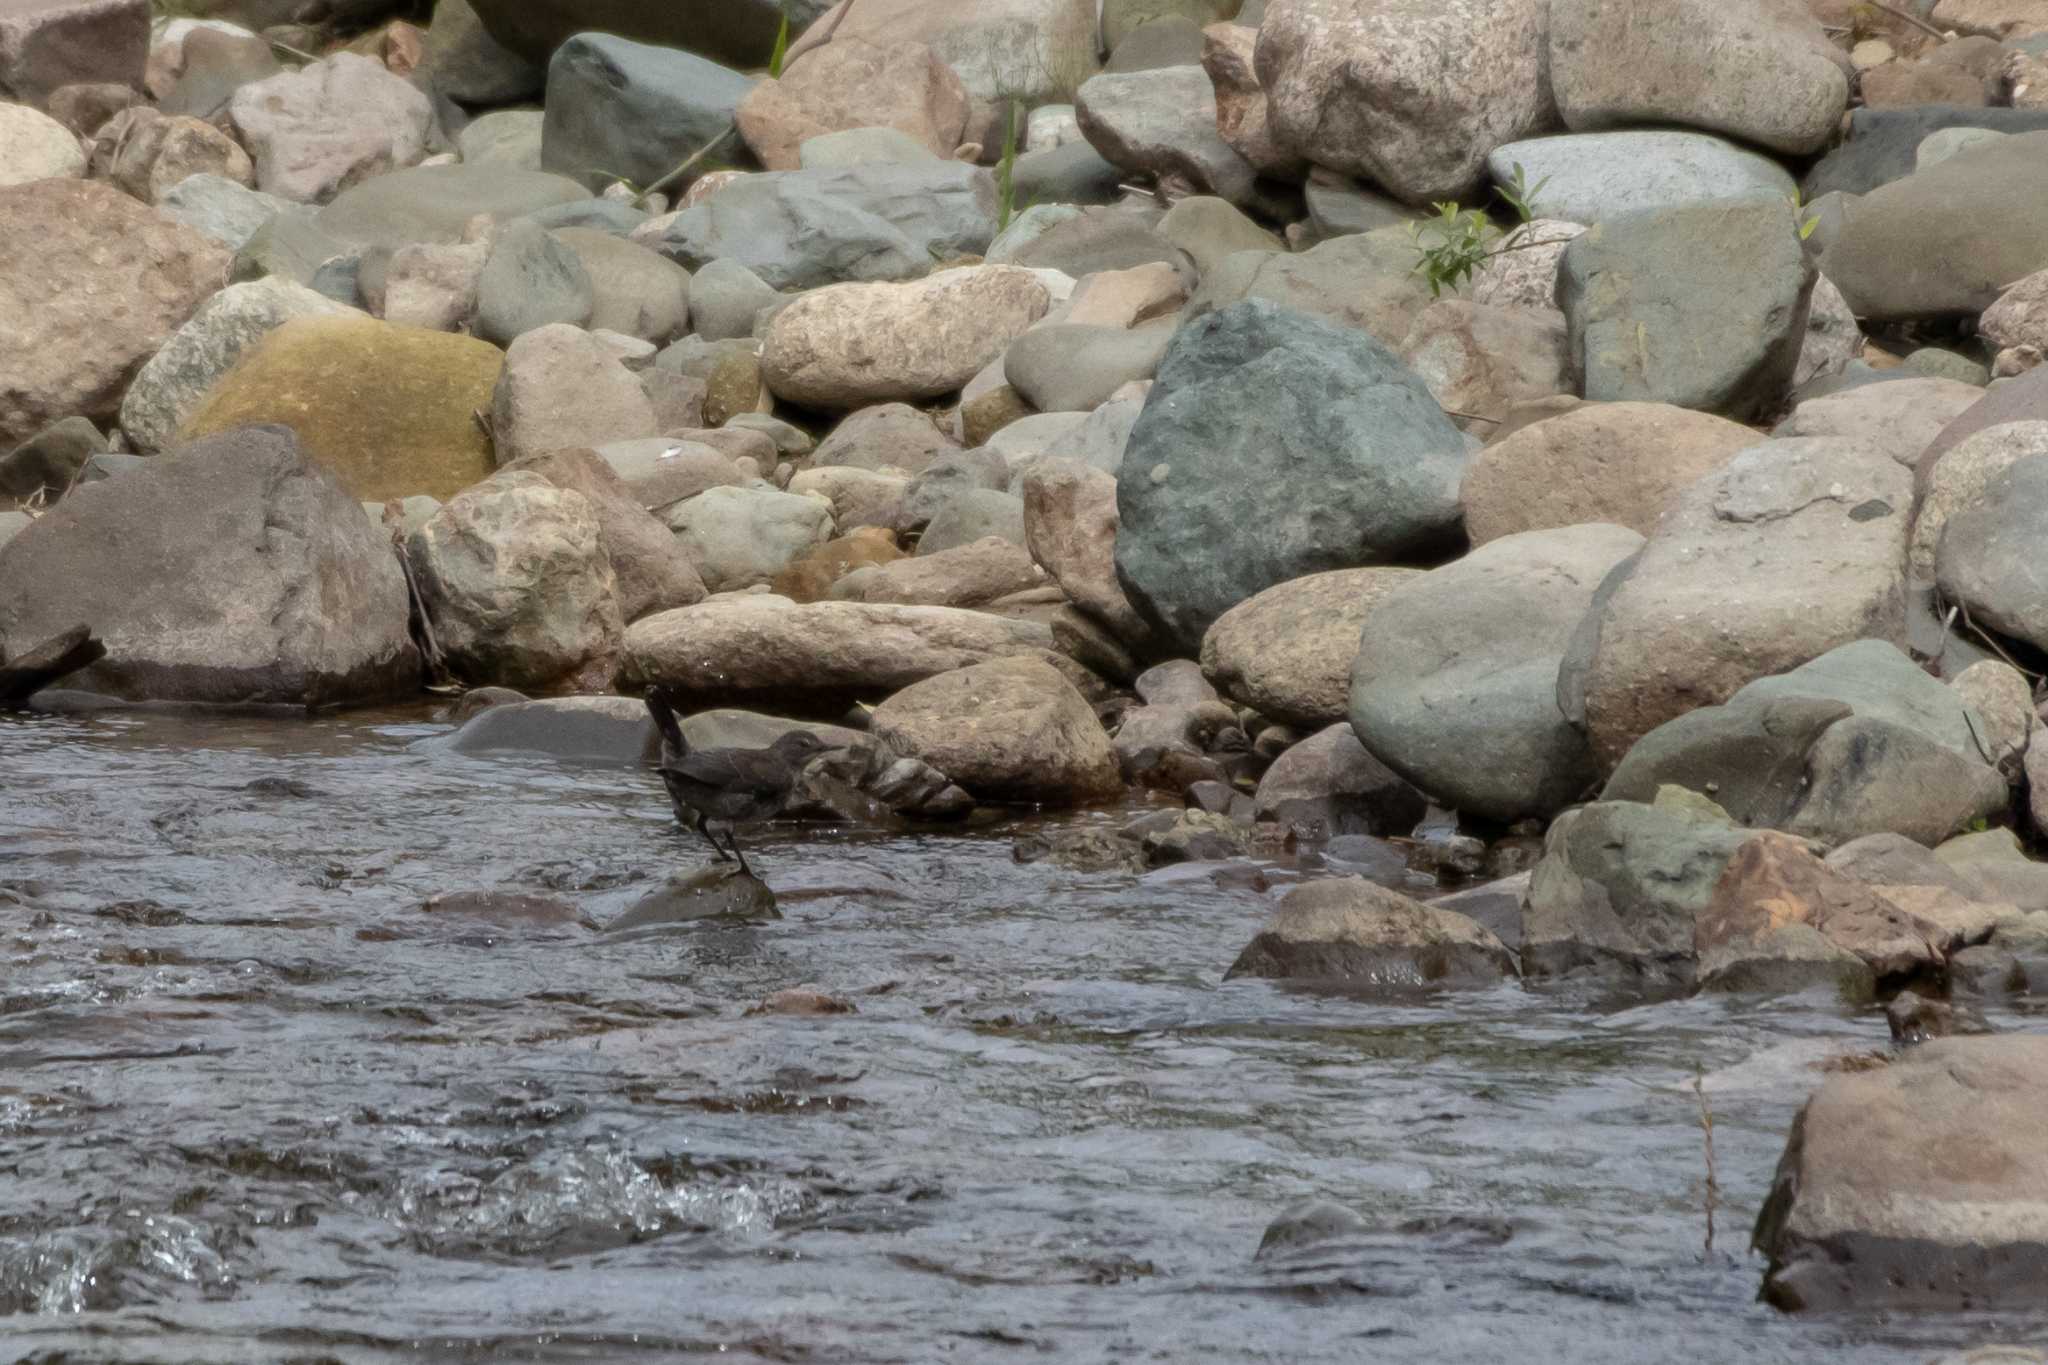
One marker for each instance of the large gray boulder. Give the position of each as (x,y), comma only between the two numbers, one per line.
(621,110)
(233,570)
(801,229)
(1455,685)
(1702,306)
(1592,177)
(1990,554)
(1754,69)
(1947,240)
(1915,1186)
(1410,94)
(1274,445)
(1856,742)
(1790,549)
(1620,888)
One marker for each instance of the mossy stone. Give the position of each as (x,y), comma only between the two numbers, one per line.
(390,410)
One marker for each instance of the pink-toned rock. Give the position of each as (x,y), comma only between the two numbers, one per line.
(433,284)
(1007,730)
(969,575)
(849,345)
(563,387)
(1624,463)
(850,84)
(1070,526)
(1124,298)
(318,130)
(1241,113)
(91,285)
(2020,317)
(1411,94)
(1031,50)
(1480,360)
(148,154)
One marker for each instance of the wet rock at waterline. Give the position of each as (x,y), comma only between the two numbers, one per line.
(1348,933)
(1006,730)
(611,730)
(1781,920)
(1916,1186)
(1858,741)
(767,648)
(1330,785)
(719,891)
(234,569)
(1620,888)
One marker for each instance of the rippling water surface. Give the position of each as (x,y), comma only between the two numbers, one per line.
(257,1104)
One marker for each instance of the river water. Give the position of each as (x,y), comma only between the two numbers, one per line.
(257,1104)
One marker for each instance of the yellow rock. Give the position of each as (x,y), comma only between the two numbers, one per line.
(391,410)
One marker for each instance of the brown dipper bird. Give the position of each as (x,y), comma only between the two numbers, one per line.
(729,785)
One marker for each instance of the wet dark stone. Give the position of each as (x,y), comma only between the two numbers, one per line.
(505,908)
(720,891)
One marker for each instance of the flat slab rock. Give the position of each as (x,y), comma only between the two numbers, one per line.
(1922,1185)
(1350,933)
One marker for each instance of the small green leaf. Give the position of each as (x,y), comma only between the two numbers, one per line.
(781,51)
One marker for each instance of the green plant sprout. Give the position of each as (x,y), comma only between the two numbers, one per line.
(1006,169)
(1461,240)
(775,58)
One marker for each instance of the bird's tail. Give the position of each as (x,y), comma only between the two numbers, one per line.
(661,705)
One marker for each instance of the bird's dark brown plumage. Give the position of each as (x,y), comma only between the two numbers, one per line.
(733,786)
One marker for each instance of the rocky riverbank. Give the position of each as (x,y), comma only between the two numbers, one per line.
(1587,455)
